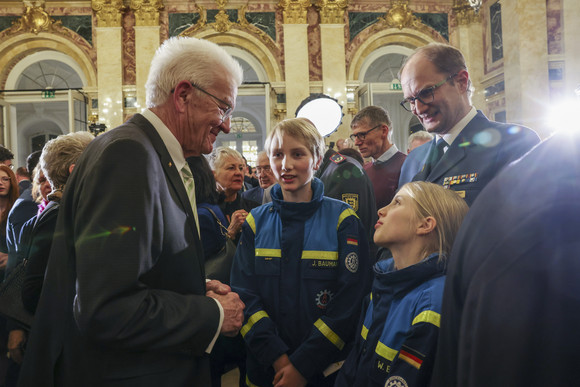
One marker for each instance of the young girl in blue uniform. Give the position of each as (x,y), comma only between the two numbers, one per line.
(302,268)
(397,339)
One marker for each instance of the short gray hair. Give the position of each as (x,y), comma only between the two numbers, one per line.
(219,155)
(422,135)
(60,153)
(185,58)
(375,115)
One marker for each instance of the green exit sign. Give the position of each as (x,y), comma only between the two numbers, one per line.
(396,86)
(48,94)
(239,135)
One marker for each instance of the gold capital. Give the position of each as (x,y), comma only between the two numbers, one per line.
(108,12)
(464,13)
(294,11)
(332,11)
(146,12)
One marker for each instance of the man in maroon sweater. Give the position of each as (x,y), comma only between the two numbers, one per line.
(371,133)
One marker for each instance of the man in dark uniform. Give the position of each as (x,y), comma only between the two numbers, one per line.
(468,149)
(345,179)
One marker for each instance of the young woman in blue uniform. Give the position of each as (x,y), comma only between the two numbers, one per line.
(397,339)
(302,268)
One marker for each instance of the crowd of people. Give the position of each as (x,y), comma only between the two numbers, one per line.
(338,271)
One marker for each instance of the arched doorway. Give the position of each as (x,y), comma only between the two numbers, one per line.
(43,98)
(381,87)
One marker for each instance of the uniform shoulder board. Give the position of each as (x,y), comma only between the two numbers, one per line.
(337,158)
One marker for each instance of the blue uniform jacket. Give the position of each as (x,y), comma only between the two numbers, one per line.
(398,337)
(302,269)
(476,156)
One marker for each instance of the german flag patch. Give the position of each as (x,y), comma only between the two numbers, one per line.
(352,241)
(414,358)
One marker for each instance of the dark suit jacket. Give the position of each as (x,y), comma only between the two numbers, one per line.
(480,151)
(511,306)
(23,209)
(126,239)
(255,194)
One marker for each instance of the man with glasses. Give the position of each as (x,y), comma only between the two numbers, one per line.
(468,150)
(125,300)
(266,179)
(371,133)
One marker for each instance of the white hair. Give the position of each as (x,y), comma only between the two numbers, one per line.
(185,58)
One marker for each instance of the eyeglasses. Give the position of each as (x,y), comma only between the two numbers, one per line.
(425,96)
(226,112)
(265,168)
(362,135)
(5,179)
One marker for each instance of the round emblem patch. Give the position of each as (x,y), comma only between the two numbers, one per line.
(396,381)
(351,262)
(323,298)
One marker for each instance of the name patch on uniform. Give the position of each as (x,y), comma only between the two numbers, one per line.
(324,263)
(459,179)
(351,199)
(351,262)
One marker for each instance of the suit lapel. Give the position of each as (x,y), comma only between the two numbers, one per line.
(460,147)
(171,172)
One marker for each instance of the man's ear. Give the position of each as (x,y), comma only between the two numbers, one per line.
(426,225)
(462,78)
(182,95)
(70,168)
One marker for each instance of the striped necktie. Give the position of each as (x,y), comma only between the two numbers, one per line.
(189,183)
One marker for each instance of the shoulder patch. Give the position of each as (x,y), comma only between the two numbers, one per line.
(351,199)
(396,381)
(337,158)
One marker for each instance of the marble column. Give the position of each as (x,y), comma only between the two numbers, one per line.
(147,40)
(296,59)
(333,54)
(109,61)
(525,50)
(468,37)
(571,26)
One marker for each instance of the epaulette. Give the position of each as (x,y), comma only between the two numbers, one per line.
(337,158)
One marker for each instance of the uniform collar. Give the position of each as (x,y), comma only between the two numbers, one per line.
(450,136)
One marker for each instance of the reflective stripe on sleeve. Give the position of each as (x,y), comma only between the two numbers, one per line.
(252,320)
(428,316)
(345,214)
(329,334)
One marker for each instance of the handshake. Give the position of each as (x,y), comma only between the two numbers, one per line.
(232,305)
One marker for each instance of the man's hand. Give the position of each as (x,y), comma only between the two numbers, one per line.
(217,287)
(233,311)
(16,341)
(288,376)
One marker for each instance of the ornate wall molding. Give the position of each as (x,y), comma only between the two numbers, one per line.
(146,12)
(34,19)
(332,11)
(399,16)
(464,13)
(294,11)
(223,24)
(109,12)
